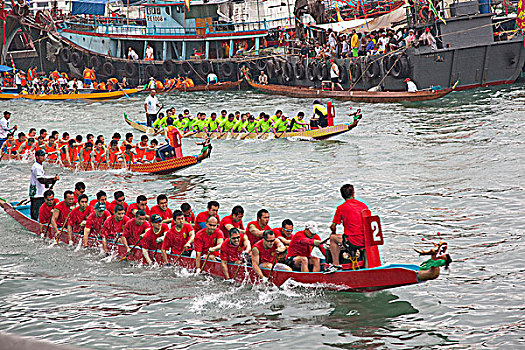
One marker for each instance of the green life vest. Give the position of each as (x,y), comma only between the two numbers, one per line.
(227,125)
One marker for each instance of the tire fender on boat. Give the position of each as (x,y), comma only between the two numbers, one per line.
(108,69)
(343,75)
(270,69)
(311,71)
(355,69)
(320,70)
(288,72)
(151,71)
(186,68)
(168,67)
(130,69)
(261,65)
(373,69)
(76,59)
(65,55)
(227,69)
(206,67)
(299,71)
(94,62)
(399,67)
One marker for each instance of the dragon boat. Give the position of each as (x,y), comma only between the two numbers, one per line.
(316,134)
(227,85)
(351,95)
(373,277)
(94,95)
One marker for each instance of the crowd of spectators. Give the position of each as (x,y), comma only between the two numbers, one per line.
(357,44)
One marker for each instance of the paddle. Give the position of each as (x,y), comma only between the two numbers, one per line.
(243,263)
(273,266)
(132,249)
(180,256)
(59,234)
(244,136)
(205,261)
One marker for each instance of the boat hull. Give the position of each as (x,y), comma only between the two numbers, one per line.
(83,96)
(227,85)
(356,96)
(316,134)
(364,280)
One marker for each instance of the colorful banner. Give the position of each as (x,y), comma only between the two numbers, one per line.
(520,19)
(187,3)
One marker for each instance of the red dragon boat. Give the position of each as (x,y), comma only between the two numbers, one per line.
(372,278)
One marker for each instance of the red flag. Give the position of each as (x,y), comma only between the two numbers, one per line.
(187,3)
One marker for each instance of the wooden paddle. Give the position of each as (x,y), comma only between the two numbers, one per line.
(132,249)
(273,266)
(205,261)
(237,271)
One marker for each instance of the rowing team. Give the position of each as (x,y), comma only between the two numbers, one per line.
(170,84)
(226,239)
(90,153)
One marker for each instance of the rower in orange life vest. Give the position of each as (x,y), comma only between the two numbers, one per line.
(86,156)
(173,136)
(114,153)
(128,140)
(51,149)
(141,148)
(99,153)
(68,153)
(26,148)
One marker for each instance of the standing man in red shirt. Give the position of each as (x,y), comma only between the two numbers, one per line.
(202,217)
(79,215)
(179,238)
(300,249)
(208,240)
(95,221)
(255,229)
(162,209)
(61,213)
(348,214)
(113,226)
(234,220)
(264,252)
(134,229)
(46,210)
(153,237)
(232,249)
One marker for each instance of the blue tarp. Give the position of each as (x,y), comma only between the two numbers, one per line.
(88,7)
(4,69)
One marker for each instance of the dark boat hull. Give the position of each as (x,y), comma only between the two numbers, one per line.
(364,280)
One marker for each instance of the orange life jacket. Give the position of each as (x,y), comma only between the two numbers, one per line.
(113,155)
(100,156)
(101,86)
(159,85)
(55,75)
(129,157)
(150,154)
(50,149)
(140,152)
(86,156)
(189,83)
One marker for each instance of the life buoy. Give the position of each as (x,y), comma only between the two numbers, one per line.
(270,69)
(65,55)
(355,69)
(130,69)
(108,69)
(206,67)
(373,70)
(168,67)
(260,65)
(95,62)
(311,71)
(186,68)
(299,71)
(227,69)
(76,59)
(151,71)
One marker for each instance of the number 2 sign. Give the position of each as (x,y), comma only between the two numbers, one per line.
(375,235)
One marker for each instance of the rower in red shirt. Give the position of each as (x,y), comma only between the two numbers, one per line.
(285,232)
(101,198)
(134,230)
(255,229)
(61,213)
(234,220)
(208,241)
(300,249)
(189,216)
(200,220)
(119,199)
(153,237)
(349,214)
(162,209)
(45,212)
(95,221)
(140,204)
(264,254)
(80,188)
(77,219)
(232,249)
(179,238)
(113,226)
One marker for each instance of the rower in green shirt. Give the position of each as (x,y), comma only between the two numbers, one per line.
(277,116)
(251,125)
(200,124)
(223,116)
(228,124)
(161,122)
(239,126)
(264,125)
(180,123)
(298,123)
(281,125)
(213,123)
